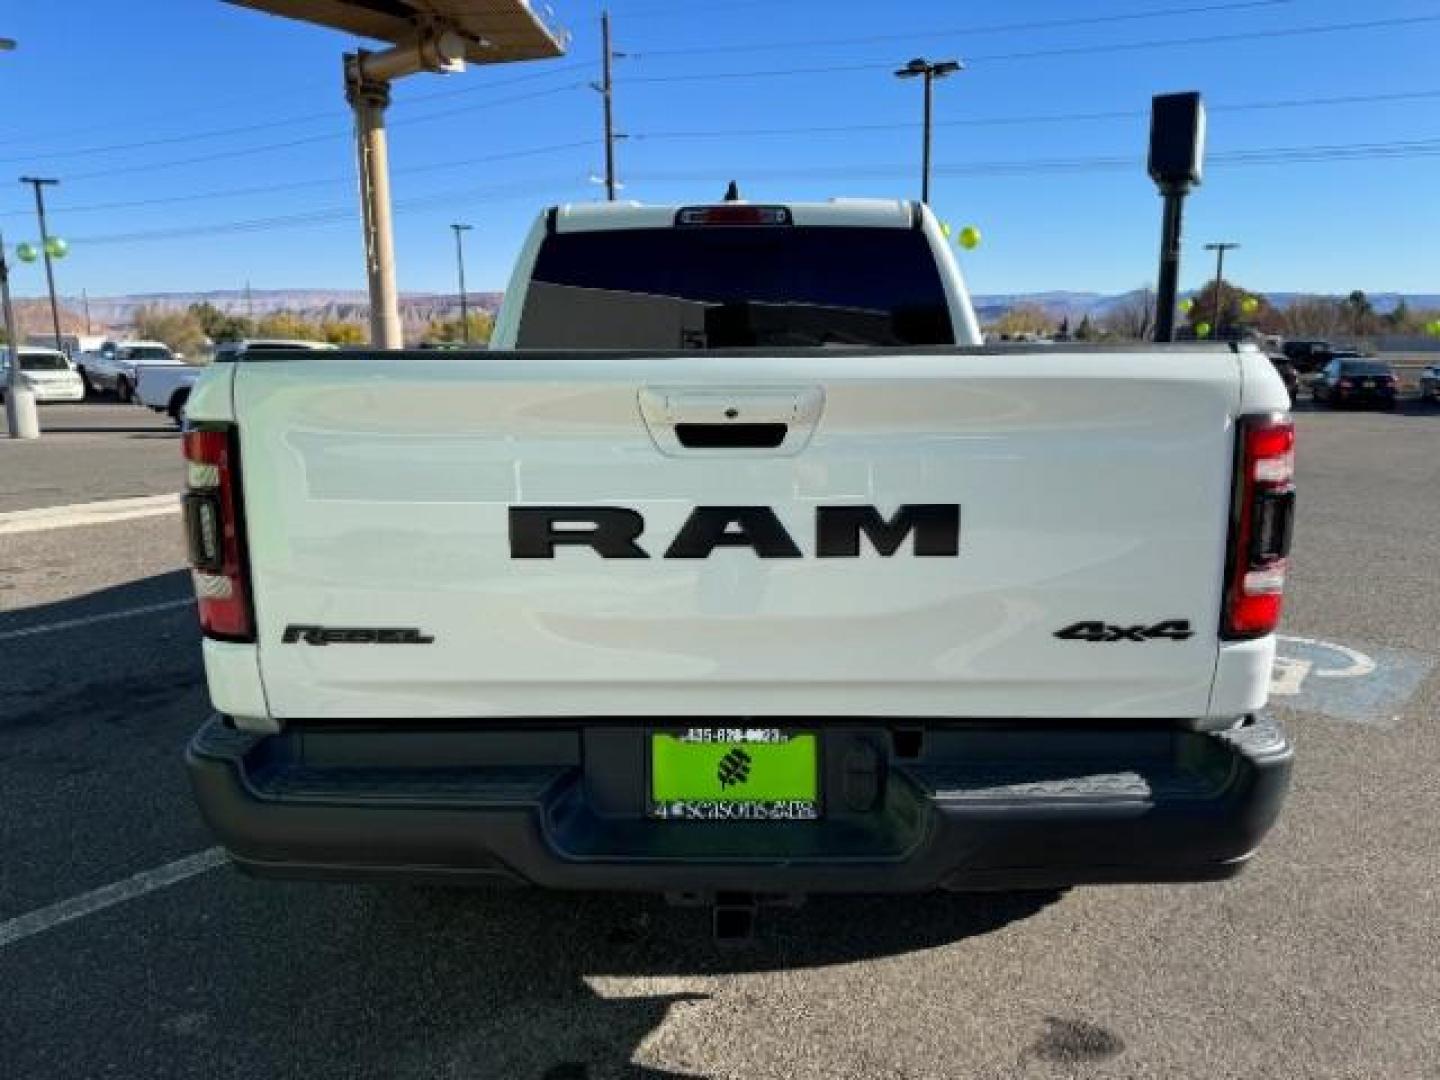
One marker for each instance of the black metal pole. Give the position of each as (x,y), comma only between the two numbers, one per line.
(39,184)
(925,165)
(1169,280)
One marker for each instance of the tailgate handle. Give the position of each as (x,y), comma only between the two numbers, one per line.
(718,420)
(731,436)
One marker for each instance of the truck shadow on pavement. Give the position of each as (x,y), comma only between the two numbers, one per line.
(517,970)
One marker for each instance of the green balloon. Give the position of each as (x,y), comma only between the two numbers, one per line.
(1434,328)
(969,237)
(27,252)
(1249,305)
(1202,329)
(1186,305)
(57,247)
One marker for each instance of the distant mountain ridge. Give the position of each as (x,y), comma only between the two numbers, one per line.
(417,310)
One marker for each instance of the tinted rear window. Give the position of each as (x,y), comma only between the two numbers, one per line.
(719,287)
(43,362)
(1364,367)
(147,352)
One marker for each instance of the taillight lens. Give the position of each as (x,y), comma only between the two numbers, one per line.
(1261,520)
(215,535)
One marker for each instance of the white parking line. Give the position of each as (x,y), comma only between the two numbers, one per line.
(77,907)
(70,624)
(14,522)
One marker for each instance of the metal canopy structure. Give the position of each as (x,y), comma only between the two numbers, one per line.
(494,31)
(421,35)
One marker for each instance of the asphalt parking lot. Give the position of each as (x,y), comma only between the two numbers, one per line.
(1322,960)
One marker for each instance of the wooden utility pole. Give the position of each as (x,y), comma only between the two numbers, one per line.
(607,94)
(39,183)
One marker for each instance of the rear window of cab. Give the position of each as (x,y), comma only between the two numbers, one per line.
(715,287)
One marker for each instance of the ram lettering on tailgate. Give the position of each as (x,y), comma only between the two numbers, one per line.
(614,532)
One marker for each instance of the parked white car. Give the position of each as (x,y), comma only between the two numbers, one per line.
(48,371)
(1430,382)
(166,388)
(113,367)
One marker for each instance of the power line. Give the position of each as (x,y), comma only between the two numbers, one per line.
(514,191)
(87,151)
(1074,50)
(308,140)
(244,100)
(1404,150)
(969,31)
(525,189)
(826,69)
(296,185)
(1039,118)
(837,129)
(283,121)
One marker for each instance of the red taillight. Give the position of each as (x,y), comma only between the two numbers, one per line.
(1260,525)
(733,214)
(214,534)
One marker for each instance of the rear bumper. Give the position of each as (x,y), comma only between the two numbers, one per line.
(969,807)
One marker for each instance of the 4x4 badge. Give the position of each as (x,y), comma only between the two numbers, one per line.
(1102,632)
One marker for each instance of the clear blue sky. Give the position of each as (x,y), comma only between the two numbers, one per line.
(93,78)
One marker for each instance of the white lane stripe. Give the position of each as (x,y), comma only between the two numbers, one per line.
(14,522)
(77,907)
(70,624)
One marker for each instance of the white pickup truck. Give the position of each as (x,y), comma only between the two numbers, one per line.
(115,367)
(740,567)
(166,388)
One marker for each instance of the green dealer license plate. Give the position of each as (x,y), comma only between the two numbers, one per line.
(734,774)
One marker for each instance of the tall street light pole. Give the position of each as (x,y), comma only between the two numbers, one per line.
(39,183)
(460,266)
(930,71)
(1219,249)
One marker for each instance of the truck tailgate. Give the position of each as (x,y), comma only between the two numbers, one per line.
(1092,488)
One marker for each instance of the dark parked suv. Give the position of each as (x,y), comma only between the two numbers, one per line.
(1356,381)
(1310,356)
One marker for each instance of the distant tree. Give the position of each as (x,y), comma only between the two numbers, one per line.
(1023,319)
(1133,318)
(1086,330)
(1360,312)
(1064,332)
(1233,319)
(449,330)
(218,325)
(1313,317)
(181,330)
(1399,320)
(340,332)
(287,324)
